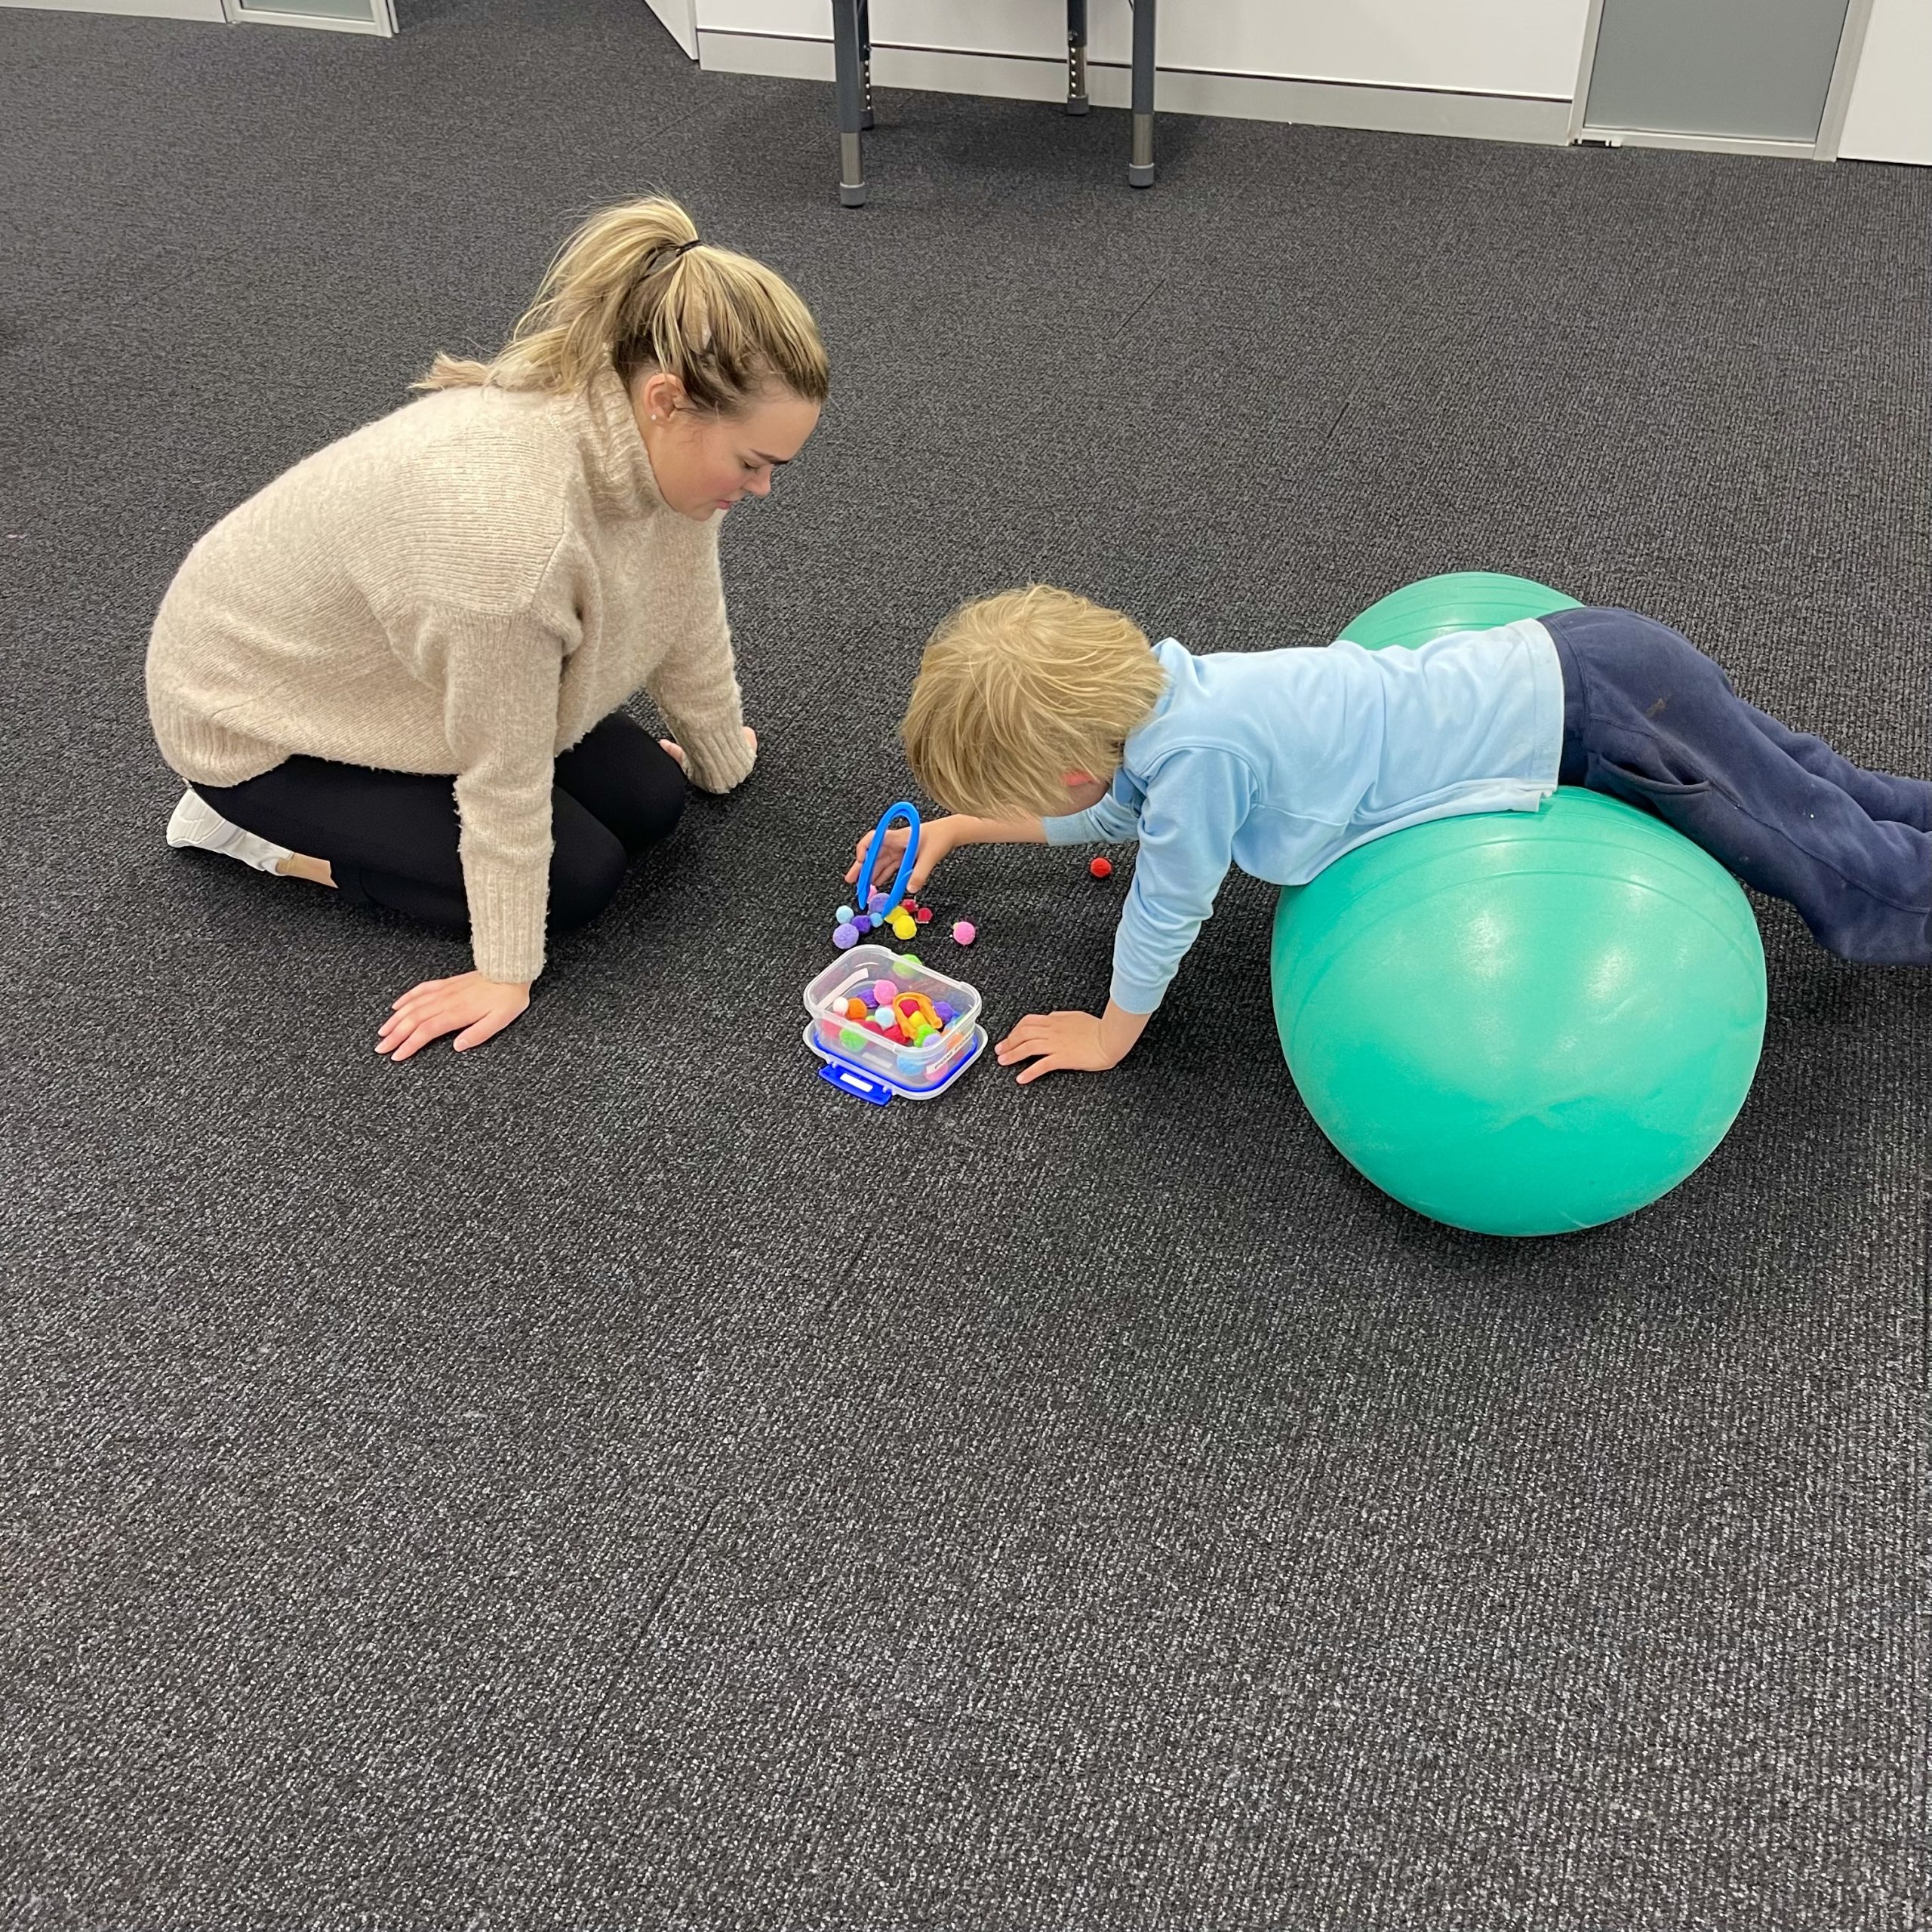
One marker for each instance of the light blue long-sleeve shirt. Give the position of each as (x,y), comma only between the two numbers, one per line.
(1279,762)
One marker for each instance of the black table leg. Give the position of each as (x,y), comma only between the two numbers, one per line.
(1076,57)
(1140,166)
(848,64)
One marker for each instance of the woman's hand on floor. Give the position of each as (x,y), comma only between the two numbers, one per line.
(479,1007)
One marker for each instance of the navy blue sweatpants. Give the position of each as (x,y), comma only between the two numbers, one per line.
(1649,719)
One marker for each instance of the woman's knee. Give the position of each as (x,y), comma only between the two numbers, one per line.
(587,865)
(625,779)
(657,800)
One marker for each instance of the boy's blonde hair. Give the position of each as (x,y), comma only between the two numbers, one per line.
(1017,690)
(633,290)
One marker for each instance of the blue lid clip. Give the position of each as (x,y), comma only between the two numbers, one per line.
(850,1080)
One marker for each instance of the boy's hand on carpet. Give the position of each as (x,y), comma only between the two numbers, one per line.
(468,1005)
(1057,1043)
(1071,1042)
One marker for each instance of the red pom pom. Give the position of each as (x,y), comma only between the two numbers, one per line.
(1101,868)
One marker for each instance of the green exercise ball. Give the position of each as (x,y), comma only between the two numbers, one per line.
(1515,1022)
(1462,601)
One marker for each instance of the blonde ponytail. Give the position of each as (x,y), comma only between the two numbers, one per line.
(635,289)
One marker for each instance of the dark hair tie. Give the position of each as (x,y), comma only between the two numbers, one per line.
(685,248)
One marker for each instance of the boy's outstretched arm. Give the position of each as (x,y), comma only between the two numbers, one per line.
(1187,824)
(937,837)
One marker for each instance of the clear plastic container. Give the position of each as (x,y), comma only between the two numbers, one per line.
(918,1072)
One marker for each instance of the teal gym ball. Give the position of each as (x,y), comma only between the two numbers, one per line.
(1517,1023)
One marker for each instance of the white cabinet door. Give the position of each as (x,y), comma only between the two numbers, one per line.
(1749,73)
(344,15)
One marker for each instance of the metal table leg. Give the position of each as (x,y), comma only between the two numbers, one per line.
(1077,101)
(849,65)
(1140,166)
(866,62)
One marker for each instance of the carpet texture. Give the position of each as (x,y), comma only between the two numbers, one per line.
(609,1480)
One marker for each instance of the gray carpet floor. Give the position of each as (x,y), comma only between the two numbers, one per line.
(611,1480)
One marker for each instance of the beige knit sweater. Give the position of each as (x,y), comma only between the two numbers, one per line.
(465,586)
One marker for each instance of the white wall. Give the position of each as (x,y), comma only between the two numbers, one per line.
(1890,116)
(1520,47)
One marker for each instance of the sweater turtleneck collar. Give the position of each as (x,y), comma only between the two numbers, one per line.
(620,466)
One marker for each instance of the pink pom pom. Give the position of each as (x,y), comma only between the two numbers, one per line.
(964,931)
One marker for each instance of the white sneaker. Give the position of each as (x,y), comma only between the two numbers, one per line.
(196,822)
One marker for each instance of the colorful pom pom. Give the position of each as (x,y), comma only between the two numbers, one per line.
(1101,868)
(847,935)
(964,931)
(844,915)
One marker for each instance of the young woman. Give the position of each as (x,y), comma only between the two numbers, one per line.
(397,670)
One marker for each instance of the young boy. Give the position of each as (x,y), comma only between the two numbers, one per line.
(1039,717)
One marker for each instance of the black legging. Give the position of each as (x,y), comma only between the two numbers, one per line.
(390,837)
